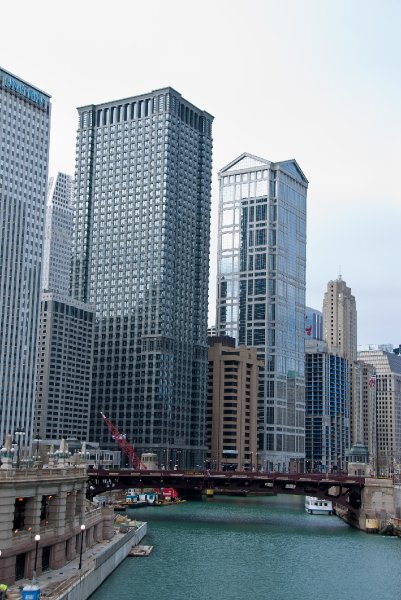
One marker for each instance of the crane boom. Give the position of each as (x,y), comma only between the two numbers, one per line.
(125,446)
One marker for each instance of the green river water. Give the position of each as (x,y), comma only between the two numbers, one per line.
(231,548)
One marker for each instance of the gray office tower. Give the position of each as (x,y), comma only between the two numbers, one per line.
(141,257)
(261,293)
(58,235)
(24,147)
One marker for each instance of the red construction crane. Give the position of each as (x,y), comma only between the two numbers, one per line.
(125,446)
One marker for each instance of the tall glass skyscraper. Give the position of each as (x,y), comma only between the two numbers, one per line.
(261,292)
(141,256)
(24,147)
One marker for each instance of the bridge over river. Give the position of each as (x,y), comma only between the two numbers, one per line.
(362,501)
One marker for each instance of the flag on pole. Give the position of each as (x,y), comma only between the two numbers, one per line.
(372,381)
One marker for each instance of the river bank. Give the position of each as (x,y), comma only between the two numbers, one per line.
(98,562)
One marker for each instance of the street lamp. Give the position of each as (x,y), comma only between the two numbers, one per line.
(82,543)
(37,540)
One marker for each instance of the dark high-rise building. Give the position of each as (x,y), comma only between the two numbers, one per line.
(327,420)
(63,389)
(141,257)
(24,148)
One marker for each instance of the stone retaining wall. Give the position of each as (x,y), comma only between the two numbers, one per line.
(82,585)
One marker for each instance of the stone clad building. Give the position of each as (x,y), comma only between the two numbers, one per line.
(51,503)
(386,382)
(232,409)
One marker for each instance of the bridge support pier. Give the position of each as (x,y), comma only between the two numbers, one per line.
(378,505)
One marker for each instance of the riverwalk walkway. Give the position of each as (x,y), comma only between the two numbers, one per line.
(98,562)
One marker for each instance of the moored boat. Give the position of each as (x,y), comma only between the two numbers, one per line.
(133,500)
(315,506)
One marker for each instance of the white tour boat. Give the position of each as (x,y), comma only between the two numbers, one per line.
(314,506)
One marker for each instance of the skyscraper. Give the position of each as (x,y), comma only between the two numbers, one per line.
(58,235)
(327,408)
(387,384)
(340,319)
(64,368)
(24,146)
(313,324)
(141,256)
(232,405)
(363,425)
(261,291)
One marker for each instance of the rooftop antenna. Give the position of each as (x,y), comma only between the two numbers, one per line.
(339,275)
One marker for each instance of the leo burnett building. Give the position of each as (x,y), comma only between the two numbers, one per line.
(24,146)
(141,257)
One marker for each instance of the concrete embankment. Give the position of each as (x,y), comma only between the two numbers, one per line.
(98,563)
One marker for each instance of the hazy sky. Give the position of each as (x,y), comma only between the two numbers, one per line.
(314,80)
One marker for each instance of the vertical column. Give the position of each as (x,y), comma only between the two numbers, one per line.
(32,513)
(70,508)
(99,532)
(7,502)
(108,524)
(56,512)
(7,569)
(79,505)
(90,537)
(71,548)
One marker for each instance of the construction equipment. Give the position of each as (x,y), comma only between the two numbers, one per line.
(125,446)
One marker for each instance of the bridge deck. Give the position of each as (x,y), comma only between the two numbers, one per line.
(344,489)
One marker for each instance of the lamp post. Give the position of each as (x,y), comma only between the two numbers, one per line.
(37,540)
(19,434)
(82,543)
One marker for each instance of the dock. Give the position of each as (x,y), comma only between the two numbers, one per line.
(140,550)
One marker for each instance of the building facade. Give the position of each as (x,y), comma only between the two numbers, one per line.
(313,324)
(387,383)
(261,291)
(64,380)
(24,147)
(50,503)
(58,235)
(141,257)
(340,319)
(232,407)
(327,419)
(363,409)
